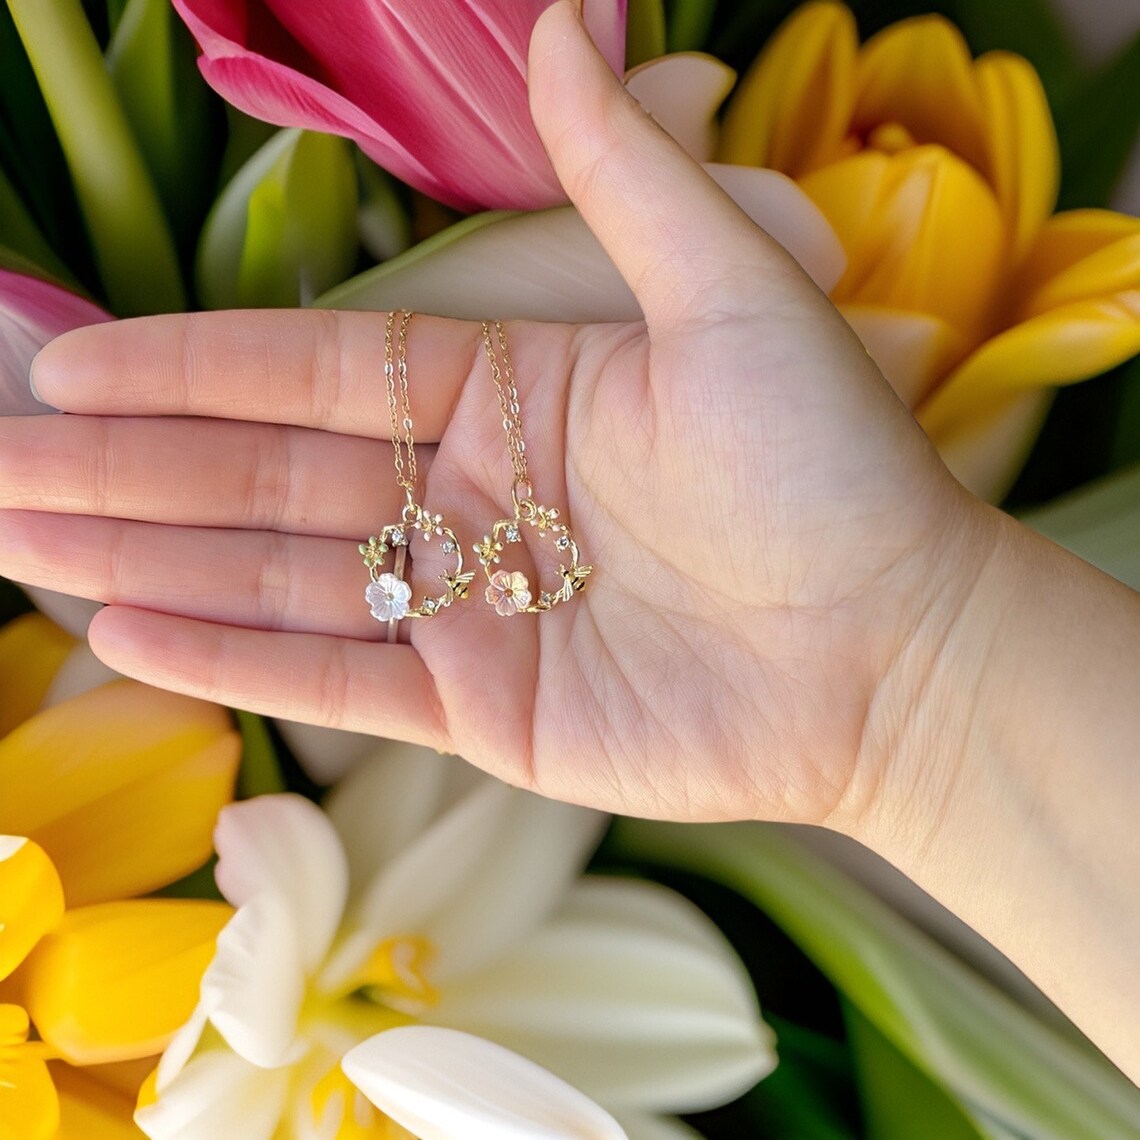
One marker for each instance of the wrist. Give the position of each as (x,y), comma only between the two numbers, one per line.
(1011,784)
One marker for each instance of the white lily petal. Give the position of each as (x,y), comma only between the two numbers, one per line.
(548,266)
(514,883)
(326,754)
(72,614)
(285,845)
(181,1048)
(631,994)
(80,671)
(642,1126)
(255,985)
(424,879)
(217,1095)
(444,1085)
(378,809)
(913,350)
(683,92)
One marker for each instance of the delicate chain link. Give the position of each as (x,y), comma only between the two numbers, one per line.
(504,378)
(399,408)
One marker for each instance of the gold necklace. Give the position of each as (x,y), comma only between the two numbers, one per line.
(509,591)
(388,595)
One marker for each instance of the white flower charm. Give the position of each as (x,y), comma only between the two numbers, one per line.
(431,894)
(388,597)
(509,592)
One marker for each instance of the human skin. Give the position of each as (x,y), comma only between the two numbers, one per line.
(795,612)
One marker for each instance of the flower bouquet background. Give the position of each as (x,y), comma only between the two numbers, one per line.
(323,935)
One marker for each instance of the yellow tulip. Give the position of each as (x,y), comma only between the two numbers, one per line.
(939,174)
(105,796)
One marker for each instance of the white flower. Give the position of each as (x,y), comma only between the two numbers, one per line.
(388,597)
(431,894)
(509,592)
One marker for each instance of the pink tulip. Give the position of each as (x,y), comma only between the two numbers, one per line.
(32,312)
(433,92)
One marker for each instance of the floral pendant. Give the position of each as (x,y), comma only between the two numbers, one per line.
(509,591)
(388,596)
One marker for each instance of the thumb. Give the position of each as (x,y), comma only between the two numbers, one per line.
(681,244)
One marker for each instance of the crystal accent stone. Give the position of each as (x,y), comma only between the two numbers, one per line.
(512,533)
(562,542)
(430,605)
(397,536)
(447,546)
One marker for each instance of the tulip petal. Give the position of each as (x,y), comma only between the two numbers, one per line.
(987,453)
(444,1085)
(442,104)
(32,649)
(98,1102)
(792,108)
(285,847)
(1069,238)
(113,982)
(683,93)
(217,1095)
(81,672)
(29,1107)
(652,1010)
(32,312)
(1114,268)
(1023,159)
(919,74)
(1062,346)
(31,899)
(121,786)
(913,350)
(922,232)
(548,266)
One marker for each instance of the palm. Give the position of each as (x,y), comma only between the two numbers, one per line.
(725,650)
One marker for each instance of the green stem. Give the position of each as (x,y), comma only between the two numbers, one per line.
(1003,1064)
(134,250)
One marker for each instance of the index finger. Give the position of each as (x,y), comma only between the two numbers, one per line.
(310,368)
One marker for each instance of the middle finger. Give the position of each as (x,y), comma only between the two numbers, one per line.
(236,474)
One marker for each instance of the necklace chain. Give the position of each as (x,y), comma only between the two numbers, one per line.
(399,406)
(504,377)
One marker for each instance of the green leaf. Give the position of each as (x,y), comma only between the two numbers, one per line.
(134,251)
(284,229)
(809,1095)
(151,60)
(20,234)
(1028,27)
(1097,125)
(900,1101)
(1010,1072)
(384,224)
(31,157)
(1100,523)
(688,23)
(260,772)
(645,31)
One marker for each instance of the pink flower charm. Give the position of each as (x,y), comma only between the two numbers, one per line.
(388,597)
(435,93)
(509,592)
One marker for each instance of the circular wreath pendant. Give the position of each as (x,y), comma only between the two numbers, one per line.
(509,591)
(388,595)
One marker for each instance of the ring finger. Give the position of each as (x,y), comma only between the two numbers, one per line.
(258,579)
